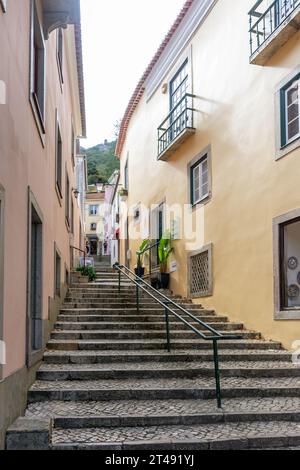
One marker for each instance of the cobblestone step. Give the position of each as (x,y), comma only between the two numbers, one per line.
(94,414)
(210,436)
(94,357)
(119,345)
(163,389)
(69,326)
(129,311)
(165,370)
(135,335)
(145,319)
(122,305)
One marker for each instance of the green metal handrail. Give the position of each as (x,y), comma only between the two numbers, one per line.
(169,305)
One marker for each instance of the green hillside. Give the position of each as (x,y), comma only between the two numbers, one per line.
(101,162)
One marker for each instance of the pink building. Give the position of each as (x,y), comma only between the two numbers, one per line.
(42,181)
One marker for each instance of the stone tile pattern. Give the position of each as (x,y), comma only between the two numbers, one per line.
(261,387)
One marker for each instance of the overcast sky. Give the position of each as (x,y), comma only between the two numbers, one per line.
(119,39)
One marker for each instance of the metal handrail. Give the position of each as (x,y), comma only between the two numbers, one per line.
(81,251)
(187,95)
(168,304)
(270,17)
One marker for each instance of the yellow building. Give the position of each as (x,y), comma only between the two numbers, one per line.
(94,222)
(216,137)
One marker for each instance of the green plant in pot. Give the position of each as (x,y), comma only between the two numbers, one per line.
(87,271)
(164,251)
(140,270)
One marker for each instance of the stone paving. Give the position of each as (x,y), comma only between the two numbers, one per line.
(180,433)
(52,409)
(149,384)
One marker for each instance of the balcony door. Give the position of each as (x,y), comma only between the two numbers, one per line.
(178,90)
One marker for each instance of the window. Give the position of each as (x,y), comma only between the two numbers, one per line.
(37,69)
(72,216)
(199,174)
(73,144)
(57,271)
(287,265)
(200,272)
(94,227)
(126,176)
(179,86)
(60,53)
(292,111)
(137,214)
(58,167)
(288,114)
(3,5)
(68,197)
(94,210)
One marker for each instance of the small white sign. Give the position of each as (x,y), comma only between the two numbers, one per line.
(2,353)
(2,92)
(173,266)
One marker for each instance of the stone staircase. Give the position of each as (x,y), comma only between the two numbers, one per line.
(107,381)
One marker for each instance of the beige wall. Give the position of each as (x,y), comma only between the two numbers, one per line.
(26,163)
(235,115)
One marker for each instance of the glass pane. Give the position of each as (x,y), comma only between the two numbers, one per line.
(293,129)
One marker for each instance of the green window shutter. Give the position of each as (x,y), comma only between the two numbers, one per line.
(282,117)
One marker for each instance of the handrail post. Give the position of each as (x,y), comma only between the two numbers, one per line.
(217,373)
(167,326)
(119,283)
(137,299)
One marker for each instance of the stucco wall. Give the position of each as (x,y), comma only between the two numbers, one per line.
(26,163)
(235,115)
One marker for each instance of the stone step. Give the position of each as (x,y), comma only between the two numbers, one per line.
(115,304)
(143,334)
(90,326)
(131,311)
(94,357)
(187,344)
(116,319)
(163,389)
(63,372)
(134,413)
(254,435)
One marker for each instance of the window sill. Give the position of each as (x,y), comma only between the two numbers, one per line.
(288,148)
(287,315)
(202,202)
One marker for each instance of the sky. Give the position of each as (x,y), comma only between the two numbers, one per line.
(120,38)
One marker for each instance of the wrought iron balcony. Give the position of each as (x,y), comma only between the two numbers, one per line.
(176,128)
(271,26)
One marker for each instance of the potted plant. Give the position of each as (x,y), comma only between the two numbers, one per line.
(140,270)
(87,272)
(164,250)
(123,193)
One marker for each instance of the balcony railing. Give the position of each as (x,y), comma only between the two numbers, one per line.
(266,21)
(177,126)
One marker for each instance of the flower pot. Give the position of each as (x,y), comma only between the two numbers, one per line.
(139,272)
(164,279)
(155,282)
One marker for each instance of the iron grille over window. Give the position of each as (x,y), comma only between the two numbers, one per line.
(200,273)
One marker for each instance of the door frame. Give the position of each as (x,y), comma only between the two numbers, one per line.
(33,356)
(279,222)
(2,243)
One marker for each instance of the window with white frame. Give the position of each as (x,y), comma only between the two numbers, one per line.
(292,111)
(199,180)
(93,227)
(37,68)
(94,209)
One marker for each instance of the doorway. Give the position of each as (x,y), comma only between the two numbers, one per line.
(35,281)
(290,265)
